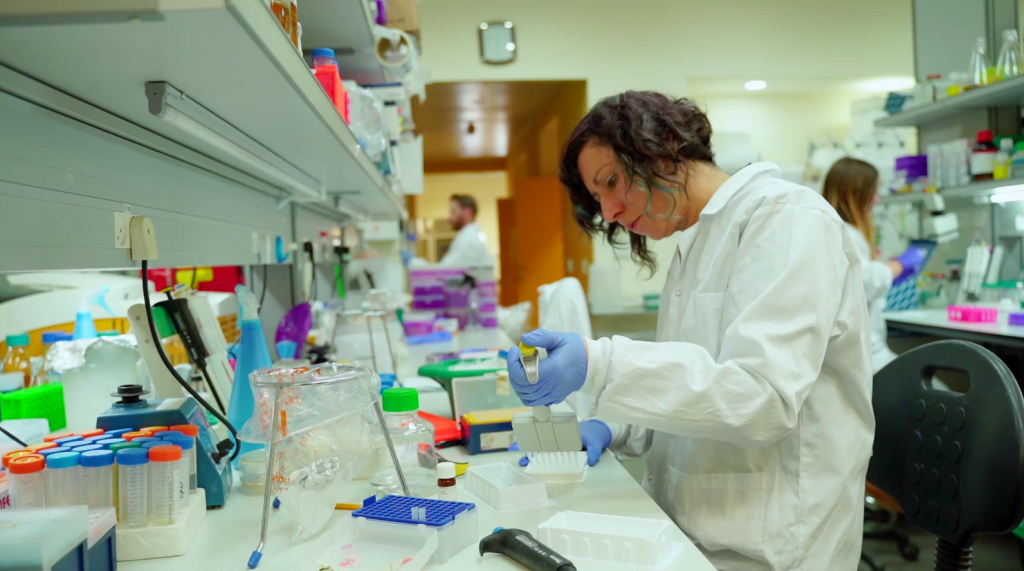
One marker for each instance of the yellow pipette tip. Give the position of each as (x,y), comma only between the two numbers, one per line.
(527,350)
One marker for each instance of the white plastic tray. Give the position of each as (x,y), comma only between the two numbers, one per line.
(624,541)
(558,467)
(505,488)
(380,546)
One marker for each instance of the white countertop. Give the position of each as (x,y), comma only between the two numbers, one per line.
(228,536)
(937,319)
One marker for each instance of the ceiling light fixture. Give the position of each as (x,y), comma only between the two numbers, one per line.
(755,85)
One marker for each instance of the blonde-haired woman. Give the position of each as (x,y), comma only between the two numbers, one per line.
(851,187)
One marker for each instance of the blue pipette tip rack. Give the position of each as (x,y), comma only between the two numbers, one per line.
(398,509)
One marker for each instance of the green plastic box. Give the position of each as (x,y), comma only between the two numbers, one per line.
(44,401)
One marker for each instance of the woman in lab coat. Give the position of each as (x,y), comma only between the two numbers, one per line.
(755,400)
(851,187)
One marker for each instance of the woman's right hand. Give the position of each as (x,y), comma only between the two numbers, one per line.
(562,373)
(896,267)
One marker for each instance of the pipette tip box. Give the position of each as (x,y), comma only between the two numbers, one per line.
(455,522)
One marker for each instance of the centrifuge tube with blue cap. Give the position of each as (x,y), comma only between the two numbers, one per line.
(252,354)
(132,479)
(85,327)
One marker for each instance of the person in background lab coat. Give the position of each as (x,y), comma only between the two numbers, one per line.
(468,249)
(755,400)
(851,187)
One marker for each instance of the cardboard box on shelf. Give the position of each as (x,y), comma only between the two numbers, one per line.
(404,15)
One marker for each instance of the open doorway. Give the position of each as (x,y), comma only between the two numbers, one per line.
(500,142)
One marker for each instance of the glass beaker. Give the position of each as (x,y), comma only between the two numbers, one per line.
(1009,63)
(317,424)
(977,71)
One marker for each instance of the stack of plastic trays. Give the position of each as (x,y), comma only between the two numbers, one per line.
(455,522)
(622,541)
(504,488)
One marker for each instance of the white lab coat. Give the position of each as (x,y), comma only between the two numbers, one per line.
(877,283)
(755,403)
(468,249)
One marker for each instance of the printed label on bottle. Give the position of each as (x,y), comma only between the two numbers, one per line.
(448,494)
(982,163)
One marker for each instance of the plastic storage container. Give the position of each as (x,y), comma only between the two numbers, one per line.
(45,401)
(505,489)
(455,522)
(97,478)
(17,359)
(162,492)
(133,493)
(62,479)
(26,481)
(625,541)
(413,439)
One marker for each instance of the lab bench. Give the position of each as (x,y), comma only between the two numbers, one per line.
(227,536)
(934,322)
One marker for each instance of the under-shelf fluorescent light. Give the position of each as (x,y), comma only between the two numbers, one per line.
(755,85)
(1004,194)
(176,108)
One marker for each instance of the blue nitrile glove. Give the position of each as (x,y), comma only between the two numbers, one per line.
(596,437)
(560,374)
(912,260)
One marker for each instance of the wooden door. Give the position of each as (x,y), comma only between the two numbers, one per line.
(540,236)
(507,296)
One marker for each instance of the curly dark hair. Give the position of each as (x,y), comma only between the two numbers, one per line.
(654,138)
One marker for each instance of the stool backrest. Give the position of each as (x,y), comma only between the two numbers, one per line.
(954,462)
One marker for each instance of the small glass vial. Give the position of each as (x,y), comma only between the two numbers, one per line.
(184,469)
(27,481)
(62,479)
(446,482)
(163,480)
(97,478)
(192,431)
(133,477)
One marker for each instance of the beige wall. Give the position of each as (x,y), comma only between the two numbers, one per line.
(658,44)
(664,44)
(485,187)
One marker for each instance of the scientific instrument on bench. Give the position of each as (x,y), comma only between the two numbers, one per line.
(543,430)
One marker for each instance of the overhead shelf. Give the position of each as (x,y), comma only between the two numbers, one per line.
(229,57)
(975,190)
(346,27)
(1009,92)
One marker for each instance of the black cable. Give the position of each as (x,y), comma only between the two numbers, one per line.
(12,437)
(167,363)
(263,294)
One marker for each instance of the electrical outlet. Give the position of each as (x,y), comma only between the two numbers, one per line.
(122,230)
